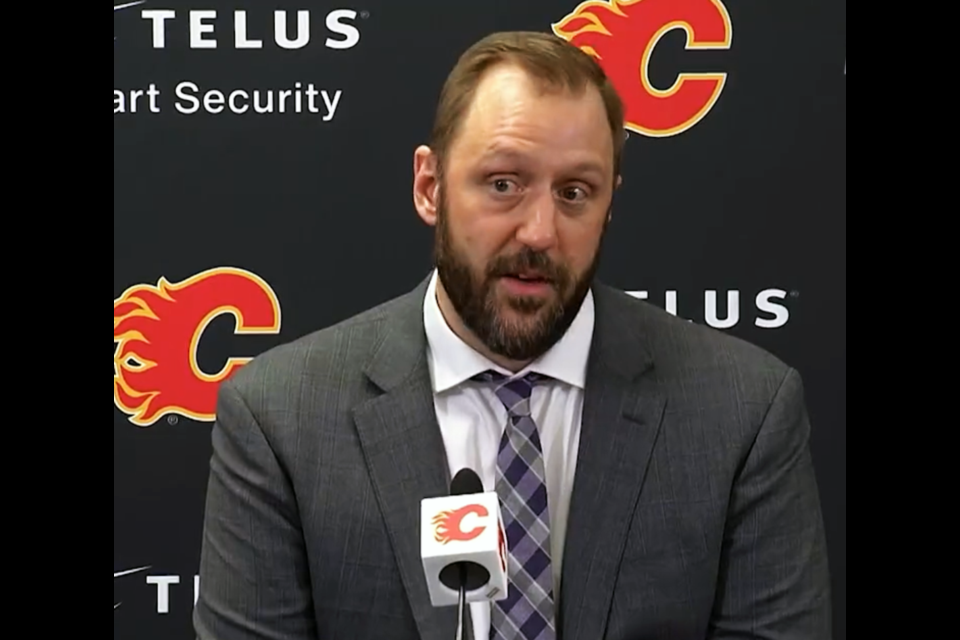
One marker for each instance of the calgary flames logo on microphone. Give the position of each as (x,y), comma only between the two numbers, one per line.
(448,524)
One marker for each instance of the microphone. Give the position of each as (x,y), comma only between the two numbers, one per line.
(463,545)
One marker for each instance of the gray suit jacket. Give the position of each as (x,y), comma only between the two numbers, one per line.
(695,512)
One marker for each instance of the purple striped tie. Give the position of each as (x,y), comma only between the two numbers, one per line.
(527,611)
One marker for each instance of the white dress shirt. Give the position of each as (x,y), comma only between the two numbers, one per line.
(472,418)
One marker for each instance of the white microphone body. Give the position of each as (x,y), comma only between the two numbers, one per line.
(468,529)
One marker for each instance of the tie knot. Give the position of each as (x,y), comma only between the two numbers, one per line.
(514,393)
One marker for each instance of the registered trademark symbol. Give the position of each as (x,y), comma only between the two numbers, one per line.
(364,14)
(171,420)
(794,294)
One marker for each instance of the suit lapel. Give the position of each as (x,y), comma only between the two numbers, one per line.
(621,418)
(401,441)
(404,450)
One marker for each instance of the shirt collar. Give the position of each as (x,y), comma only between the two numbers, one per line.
(452,361)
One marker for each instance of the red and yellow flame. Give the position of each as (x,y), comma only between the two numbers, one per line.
(156,329)
(622,34)
(448,524)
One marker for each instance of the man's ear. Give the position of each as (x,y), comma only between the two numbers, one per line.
(426,184)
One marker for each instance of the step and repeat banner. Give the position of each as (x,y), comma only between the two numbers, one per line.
(262,190)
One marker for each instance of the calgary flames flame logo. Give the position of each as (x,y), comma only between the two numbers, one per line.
(622,34)
(448,524)
(156,330)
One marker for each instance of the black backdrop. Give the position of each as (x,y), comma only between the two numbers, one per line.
(296,220)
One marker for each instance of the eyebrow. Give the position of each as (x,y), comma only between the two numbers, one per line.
(584,166)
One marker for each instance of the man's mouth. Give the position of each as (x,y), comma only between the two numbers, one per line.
(528,277)
(526,284)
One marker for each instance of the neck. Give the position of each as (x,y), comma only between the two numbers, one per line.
(456,325)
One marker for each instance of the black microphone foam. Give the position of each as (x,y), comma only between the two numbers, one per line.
(465,482)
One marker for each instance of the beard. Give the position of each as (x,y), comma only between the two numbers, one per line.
(543,320)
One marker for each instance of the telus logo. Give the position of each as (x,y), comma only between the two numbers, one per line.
(772,313)
(202,30)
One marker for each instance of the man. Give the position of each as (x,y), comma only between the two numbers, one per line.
(654,474)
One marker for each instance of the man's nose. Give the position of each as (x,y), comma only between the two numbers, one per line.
(538,230)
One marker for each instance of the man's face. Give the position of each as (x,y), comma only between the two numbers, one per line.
(522,205)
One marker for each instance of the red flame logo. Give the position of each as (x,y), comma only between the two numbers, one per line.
(156,329)
(622,34)
(448,524)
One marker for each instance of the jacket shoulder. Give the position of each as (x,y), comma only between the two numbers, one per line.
(701,357)
(318,356)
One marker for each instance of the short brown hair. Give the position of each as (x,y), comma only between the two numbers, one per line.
(547,58)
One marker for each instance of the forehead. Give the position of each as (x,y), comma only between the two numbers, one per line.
(513,114)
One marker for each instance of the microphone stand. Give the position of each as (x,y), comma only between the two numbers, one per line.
(462,605)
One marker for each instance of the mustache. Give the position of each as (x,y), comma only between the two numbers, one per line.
(527,260)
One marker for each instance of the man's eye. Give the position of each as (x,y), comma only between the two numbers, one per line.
(573,193)
(502,185)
